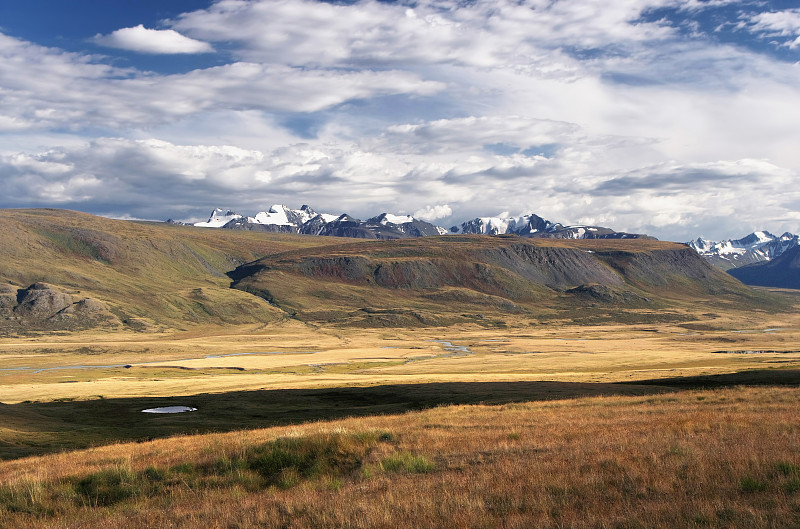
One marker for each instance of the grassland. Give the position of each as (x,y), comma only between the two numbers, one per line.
(655,402)
(713,458)
(65,392)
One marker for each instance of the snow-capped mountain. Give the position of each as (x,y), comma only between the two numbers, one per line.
(277,218)
(757,247)
(219,218)
(305,220)
(782,272)
(535,226)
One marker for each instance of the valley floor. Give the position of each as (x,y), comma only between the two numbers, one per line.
(660,424)
(292,355)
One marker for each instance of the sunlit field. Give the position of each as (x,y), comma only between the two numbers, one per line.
(641,405)
(714,458)
(294,355)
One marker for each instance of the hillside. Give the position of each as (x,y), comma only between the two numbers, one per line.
(69,270)
(65,270)
(439,280)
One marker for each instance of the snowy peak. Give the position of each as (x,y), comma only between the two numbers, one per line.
(757,247)
(219,218)
(280,215)
(535,226)
(483,226)
(280,218)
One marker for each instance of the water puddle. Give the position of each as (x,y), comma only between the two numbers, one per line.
(170,409)
(448,346)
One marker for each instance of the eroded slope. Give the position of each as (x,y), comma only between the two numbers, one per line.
(443,279)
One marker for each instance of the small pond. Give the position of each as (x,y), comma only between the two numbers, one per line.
(169,409)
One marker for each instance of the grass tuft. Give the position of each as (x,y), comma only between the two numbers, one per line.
(113,485)
(406,462)
(286,461)
(749,484)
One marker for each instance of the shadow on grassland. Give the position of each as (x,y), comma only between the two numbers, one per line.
(34,428)
(756,377)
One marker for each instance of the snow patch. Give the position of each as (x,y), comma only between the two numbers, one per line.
(219,218)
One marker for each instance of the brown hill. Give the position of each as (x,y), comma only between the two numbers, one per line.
(69,270)
(450,278)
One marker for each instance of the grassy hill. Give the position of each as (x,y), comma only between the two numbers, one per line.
(441,280)
(147,275)
(65,270)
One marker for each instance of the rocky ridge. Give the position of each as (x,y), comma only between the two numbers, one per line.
(757,247)
(281,219)
(431,279)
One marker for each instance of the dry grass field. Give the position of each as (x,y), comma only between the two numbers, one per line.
(295,355)
(425,392)
(713,458)
(84,389)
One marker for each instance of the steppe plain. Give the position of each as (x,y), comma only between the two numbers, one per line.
(680,414)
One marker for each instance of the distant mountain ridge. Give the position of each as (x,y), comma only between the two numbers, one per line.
(280,218)
(535,226)
(758,247)
(781,272)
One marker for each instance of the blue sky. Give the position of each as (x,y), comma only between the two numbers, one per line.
(677,118)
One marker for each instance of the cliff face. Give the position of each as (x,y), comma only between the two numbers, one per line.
(438,274)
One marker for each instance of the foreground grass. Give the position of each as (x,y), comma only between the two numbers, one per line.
(721,458)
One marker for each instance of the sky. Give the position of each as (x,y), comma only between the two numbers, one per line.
(676,118)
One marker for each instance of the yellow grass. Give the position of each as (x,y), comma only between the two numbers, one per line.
(725,458)
(162,363)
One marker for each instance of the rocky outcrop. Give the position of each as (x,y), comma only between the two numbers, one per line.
(607,294)
(42,306)
(41,301)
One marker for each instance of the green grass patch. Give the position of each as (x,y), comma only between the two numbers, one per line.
(326,458)
(406,462)
(113,485)
(750,484)
(787,469)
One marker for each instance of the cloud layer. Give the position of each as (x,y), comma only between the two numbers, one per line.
(158,41)
(626,114)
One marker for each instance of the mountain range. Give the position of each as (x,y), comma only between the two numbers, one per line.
(760,259)
(72,271)
(282,219)
(782,271)
(758,247)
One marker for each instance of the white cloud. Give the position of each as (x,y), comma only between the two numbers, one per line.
(431,213)
(485,33)
(156,41)
(776,24)
(47,88)
(150,179)
(574,110)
